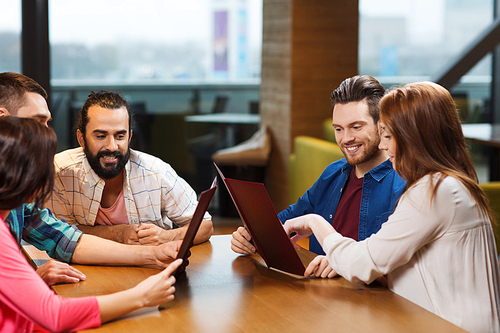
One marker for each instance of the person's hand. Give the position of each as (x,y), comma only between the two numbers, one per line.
(320,267)
(130,236)
(150,234)
(298,226)
(159,288)
(307,224)
(240,242)
(166,253)
(54,271)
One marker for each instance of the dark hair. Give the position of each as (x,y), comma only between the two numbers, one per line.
(424,122)
(357,89)
(13,87)
(105,99)
(27,150)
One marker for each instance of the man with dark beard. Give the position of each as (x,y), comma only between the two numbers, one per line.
(21,96)
(356,194)
(111,191)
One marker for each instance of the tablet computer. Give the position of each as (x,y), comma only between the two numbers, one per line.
(259,217)
(194,225)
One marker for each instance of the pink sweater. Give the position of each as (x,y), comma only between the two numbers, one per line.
(25,299)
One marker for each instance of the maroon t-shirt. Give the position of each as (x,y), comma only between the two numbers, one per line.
(346,219)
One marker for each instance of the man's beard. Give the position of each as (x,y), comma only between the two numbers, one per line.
(111,170)
(371,151)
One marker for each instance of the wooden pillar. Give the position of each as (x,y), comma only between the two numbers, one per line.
(308,48)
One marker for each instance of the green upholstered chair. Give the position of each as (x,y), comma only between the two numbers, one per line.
(310,158)
(328,130)
(492,191)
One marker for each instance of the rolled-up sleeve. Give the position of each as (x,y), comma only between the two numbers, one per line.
(48,233)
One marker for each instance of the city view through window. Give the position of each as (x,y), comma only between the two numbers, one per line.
(180,56)
(170,40)
(134,41)
(418,38)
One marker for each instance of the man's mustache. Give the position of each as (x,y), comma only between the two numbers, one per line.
(103,153)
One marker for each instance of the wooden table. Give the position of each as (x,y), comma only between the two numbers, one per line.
(488,135)
(225,118)
(225,292)
(227,124)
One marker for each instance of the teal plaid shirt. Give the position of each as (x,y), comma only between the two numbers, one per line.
(47,233)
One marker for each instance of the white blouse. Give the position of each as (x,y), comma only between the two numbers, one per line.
(440,255)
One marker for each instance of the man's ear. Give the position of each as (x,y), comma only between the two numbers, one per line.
(79,137)
(4,112)
(130,137)
(379,127)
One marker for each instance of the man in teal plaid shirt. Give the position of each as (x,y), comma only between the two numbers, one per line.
(21,96)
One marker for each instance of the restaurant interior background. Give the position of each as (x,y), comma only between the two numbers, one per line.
(176,58)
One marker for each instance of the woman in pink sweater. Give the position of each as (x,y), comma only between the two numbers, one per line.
(27,150)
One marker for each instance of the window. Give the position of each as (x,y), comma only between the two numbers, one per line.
(403,39)
(155,41)
(10,37)
(169,58)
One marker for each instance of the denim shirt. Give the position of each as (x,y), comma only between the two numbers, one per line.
(382,187)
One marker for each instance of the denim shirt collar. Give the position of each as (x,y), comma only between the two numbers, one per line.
(378,173)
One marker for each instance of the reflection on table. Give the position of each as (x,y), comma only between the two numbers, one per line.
(225,292)
(489,136)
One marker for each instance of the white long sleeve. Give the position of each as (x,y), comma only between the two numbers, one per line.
(441,256)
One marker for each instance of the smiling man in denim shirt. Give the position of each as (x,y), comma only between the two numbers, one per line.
(356,194)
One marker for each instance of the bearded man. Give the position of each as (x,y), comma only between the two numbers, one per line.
(356,194)
(111,191)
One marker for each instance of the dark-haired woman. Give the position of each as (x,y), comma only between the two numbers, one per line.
(438,248)
(26,175)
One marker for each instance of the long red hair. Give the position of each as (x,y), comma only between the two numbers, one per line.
(424,122)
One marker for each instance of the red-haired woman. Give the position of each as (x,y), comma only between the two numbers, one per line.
(438,247)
